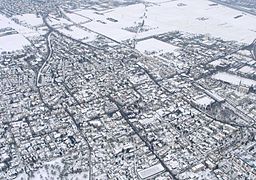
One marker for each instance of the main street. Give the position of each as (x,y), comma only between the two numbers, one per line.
(144,139)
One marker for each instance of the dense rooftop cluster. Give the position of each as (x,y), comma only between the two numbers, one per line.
(172,105)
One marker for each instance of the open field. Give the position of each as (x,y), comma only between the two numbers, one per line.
(194,16)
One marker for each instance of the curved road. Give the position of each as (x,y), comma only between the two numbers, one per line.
(253,50)
(77,126)
(49,49)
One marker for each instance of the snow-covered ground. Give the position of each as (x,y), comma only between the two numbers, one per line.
(202,175)
(194,16)
(154,45)
(77,18)
(58,22)
(197,16)
(27,32)
(125,16)
(52,170)
(13,42)
(30,19)
(151,171)
(155,1)
(17,41)
(233,79)
(247,69)
(79,34)
(204,101)
(218,62)
(110,31)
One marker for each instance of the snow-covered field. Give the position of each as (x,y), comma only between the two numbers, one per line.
(154,45)
(79,34)
(17,41)
(125,16)
(6,22)
(199,17)
(77,18)
(13,42)
(194,16)
(110,31)
(233,79)
(29,19)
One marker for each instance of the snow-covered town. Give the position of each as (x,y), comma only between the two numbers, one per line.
(127,89)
